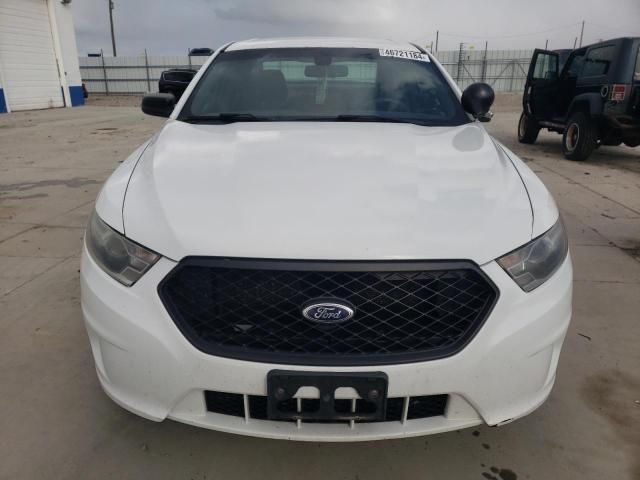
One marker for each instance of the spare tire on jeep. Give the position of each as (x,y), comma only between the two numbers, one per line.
(579,138)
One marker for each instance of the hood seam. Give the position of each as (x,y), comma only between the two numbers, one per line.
(533,215)
(133,170)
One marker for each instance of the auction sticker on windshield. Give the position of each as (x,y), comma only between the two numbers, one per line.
(407,54)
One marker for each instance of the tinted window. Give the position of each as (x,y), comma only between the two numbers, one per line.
(636,75)
(546,67)
(598,61)
(200,52)
(575,65)
(185,77)
(322,84)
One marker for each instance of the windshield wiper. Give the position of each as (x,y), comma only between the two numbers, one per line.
(374,118)
(223,118)
(229,117)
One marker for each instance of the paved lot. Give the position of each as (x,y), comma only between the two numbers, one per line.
(57,423)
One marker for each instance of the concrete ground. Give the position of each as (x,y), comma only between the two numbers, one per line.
(57,423)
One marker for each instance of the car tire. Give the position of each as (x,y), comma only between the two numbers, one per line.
(579,139)
(528,129)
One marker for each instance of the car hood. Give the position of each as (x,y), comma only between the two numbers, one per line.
(342,191)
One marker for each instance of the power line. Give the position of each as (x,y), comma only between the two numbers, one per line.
(617,29)
(560,27)
(581,25)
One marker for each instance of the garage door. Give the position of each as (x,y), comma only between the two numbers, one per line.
(27,57)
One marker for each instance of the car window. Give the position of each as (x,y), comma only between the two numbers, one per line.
(185,77)
(347,71)
(598,61)
(546,67)
(636,74)
(576,63)
(323,84)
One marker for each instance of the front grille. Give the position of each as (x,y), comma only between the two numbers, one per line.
(251,309)
(233,404)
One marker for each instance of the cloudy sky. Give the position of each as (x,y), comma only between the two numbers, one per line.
(172,26)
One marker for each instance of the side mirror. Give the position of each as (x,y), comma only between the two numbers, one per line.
(158,104)
(477,100)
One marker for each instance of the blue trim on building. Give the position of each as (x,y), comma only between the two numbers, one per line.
(3,104)
(77,96)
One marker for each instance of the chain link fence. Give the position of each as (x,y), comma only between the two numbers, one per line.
(504,70)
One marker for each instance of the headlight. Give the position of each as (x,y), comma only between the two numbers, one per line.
(532,265)
(121,258)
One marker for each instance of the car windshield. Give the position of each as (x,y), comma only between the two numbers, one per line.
(324,84)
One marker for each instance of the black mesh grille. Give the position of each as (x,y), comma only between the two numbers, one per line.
(427,406)
(233,404)
(394,408)
(252,309)
(258,407)
(225,403)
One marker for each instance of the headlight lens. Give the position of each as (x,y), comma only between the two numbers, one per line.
(532,265)
(121,258)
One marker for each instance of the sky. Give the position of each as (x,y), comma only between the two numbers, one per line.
(166,27)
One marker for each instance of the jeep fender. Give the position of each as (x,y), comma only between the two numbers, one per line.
(591,103)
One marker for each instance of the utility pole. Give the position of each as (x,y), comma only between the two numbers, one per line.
(484,61)
(581,32)
(460,62)
(113,36)
(437,35)
(546,45)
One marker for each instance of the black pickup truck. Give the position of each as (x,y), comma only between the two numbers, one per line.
(176,81)
(593,100)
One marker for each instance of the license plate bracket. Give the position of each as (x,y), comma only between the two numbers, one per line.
(282,386)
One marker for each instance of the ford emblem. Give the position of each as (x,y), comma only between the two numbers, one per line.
(328,311)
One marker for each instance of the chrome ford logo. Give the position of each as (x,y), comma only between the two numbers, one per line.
(328,311)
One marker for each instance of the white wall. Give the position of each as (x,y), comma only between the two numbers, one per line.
(68,45)
(38,56)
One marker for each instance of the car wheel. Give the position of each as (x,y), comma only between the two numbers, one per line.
(528,129)
(579,138)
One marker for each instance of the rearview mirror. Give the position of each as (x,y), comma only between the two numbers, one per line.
(477,100)
(158,104)
(329,71)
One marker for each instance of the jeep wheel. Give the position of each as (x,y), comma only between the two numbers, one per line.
(579,138)
(528,129)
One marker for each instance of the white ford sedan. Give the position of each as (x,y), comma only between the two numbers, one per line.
(323,243)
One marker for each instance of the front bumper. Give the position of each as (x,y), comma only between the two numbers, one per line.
(147,366)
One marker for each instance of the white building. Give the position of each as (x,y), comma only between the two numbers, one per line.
(38,56)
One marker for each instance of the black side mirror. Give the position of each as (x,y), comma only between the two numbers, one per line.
(158,104)
(477,100)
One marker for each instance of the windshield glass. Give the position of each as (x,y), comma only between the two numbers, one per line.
(324,84)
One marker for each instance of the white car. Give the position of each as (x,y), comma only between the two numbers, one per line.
(323,243)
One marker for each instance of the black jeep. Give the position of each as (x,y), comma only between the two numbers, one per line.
(176,81)
(593,100)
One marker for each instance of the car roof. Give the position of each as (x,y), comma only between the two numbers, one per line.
(610,40)
(322,42)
